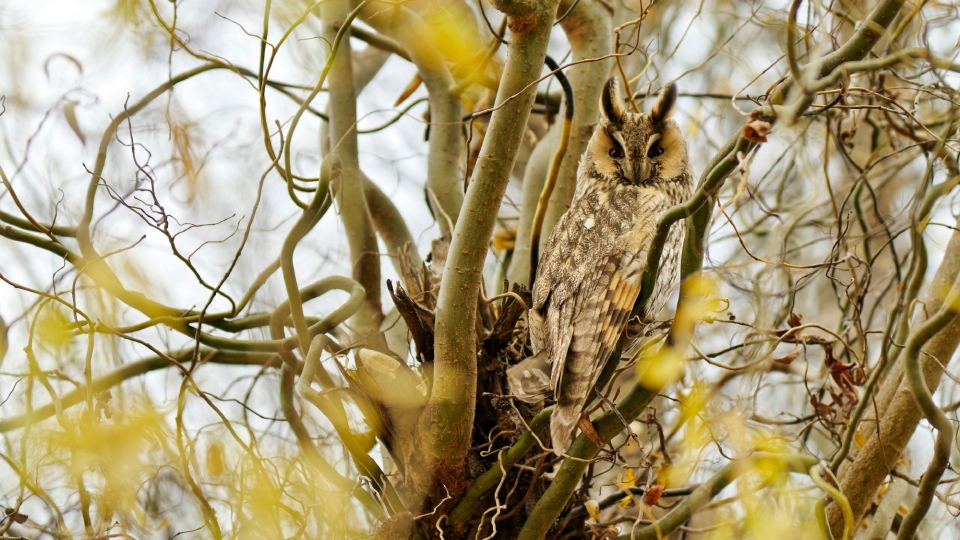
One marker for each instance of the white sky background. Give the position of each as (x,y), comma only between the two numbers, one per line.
(37,79)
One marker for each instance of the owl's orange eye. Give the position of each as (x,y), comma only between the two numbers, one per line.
(616,153)
(655,151)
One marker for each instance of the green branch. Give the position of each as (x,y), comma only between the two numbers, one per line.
(389,223)
(446,127)
(330,170)
(548,508)
(710,182)
(446,424)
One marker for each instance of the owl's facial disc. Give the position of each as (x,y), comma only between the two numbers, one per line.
(637,164)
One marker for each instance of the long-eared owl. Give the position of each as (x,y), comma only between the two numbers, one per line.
(634,169)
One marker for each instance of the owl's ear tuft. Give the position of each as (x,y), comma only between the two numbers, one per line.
(664,106)
(611,103)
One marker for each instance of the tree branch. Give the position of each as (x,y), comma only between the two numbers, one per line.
(446,139)
(357,223)
(446,425)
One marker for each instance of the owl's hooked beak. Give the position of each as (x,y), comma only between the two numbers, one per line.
(641,171)
(637,171)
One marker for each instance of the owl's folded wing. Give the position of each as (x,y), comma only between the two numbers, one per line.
(601,308)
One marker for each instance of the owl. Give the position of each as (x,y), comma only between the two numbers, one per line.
(634,169)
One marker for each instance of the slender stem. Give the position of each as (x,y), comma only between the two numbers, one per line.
(130,370)
(389,223)
(934,414)
(330,169)
(351,203)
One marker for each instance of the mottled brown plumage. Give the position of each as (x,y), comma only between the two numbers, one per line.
(634,169)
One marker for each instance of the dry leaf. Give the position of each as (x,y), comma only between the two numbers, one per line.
(410,89)
(756,129)
(788,359)
(653,493)
(586,426)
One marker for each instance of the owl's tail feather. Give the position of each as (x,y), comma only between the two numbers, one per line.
(573,389)
(571,397)
(563,423)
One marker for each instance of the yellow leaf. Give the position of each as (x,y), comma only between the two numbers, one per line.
(663,368)
(593,508)
(677,474)
(625,502)
(504,238)
(453,34)
(860,439)
(215,461)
